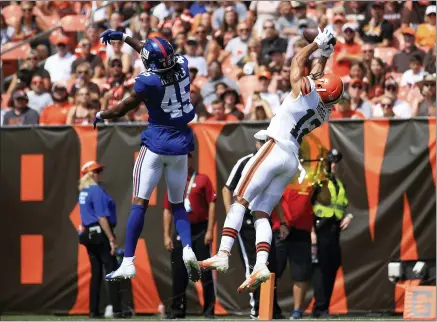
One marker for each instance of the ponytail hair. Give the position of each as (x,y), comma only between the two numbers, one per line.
(86,181)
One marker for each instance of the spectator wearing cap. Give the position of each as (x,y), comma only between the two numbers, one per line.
(264,79)
(415,73)
(59,64)
(38,97)
(231,100)
(426,105)
(271,42)
(402,59)
(259,12)
(376,30)
(218,17)
(413,13)
(356,93)
(347,52)
(277,61)
(28,69)
(301,14)
(426,33)
(218,113)
(215,75)
(56,114)
(343,109)
(195,60)
(86,56)
(237,47)
(83,79)
(401,108)
(21,114)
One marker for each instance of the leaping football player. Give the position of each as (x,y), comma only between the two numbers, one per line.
(165,89)
(266,175)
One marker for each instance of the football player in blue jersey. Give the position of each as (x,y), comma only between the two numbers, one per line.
(165,89)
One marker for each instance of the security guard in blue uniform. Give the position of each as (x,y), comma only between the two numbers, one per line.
(98,217)
(329,201)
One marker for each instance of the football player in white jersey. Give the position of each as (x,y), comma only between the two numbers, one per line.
(267,174)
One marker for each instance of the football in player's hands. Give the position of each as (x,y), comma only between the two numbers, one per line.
(311,33)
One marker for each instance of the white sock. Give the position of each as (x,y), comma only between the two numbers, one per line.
(232,226)
(263,240)
(128,260)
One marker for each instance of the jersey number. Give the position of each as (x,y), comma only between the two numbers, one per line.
(170,103)
(298,132)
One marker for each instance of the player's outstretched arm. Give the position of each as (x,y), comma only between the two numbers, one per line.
(134,43)
(299,61)
(129,103)
(298,67)
(110,34)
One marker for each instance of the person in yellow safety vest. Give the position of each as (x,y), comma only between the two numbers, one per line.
(329,201)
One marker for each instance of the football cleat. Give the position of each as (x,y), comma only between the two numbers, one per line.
(259,275)
(219,262)
(191,263)
(123,272)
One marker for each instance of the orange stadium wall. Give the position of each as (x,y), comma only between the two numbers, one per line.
(388,168)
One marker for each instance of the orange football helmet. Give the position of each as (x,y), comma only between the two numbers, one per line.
(330,88)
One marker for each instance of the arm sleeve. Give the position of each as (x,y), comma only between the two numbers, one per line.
(100,202)
(209,191)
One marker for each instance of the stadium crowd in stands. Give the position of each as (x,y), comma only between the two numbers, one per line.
(239,56)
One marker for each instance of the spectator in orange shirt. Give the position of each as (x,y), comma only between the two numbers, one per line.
(346,53)
(218,112)
(426,33)
(56,114)
(343,109)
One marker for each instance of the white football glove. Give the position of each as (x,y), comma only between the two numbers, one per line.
(323,38)
(327,51)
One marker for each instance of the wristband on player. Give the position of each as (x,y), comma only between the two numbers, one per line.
(99,116)
(350,216)
(124,36)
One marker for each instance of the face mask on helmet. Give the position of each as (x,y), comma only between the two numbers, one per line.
(330,88)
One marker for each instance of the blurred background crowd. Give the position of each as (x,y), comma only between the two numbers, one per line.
(239,55)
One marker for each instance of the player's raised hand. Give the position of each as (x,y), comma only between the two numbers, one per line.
(327,51)
(324,38)
(109,35)
(97,119)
